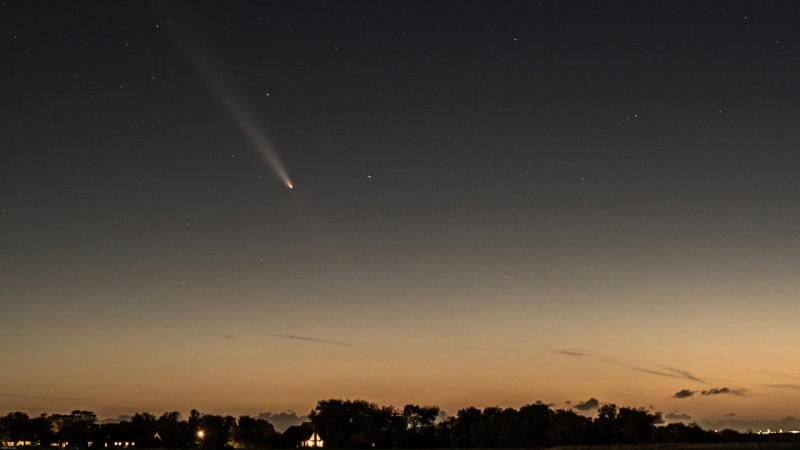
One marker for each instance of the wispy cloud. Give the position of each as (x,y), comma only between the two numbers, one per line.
(310,339)
(651,371)
(592,403)
(666,372)
(683,374)
(10,334)
(795,387)
(684,393)
(227,336)
(662,371)
(723,390)
(675,416)
(570,352)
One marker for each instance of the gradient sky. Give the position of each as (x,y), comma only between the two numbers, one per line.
(493,203)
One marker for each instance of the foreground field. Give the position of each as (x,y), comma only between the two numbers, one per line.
(752,445)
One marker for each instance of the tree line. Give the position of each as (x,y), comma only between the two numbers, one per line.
(361,424)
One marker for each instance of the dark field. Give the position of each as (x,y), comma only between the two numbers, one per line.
(752,445)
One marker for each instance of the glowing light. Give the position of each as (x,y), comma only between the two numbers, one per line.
(201,434)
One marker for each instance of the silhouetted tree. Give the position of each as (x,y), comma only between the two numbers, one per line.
(173,432)
(216,430)
(734,437)
(636,425)
(16,426)
(605,425)
(444,432)
(386,427)
(567,427)
(360,424)
(13,427)
(144,427)
(350,423)
(253,433)
(420,417)
(466,429)
(489,427)
(530,426)
(504,427)
(42,430)
(332,420)
(421,427)
(78,428)
(675,433)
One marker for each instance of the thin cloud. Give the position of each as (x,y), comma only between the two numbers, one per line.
(570,352)
(227,336)
(683,374)
(310,339)
(10,334)
(651,372)
(684,393)
(795,387)
(669,372)
(723,390)
(592,403)
(674,416)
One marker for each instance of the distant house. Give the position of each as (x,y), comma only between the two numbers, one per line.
(17,444)
(123,444)
(313,441)
(302,436)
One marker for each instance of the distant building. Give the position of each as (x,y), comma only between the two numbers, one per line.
(17,444)
(313,441)
(302,436)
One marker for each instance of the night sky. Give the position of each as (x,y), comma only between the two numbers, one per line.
(244,207)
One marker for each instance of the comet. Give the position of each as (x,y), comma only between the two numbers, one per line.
(232,101)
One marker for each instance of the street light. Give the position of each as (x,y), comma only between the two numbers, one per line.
(200,435)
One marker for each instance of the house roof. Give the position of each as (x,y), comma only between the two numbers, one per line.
(298,433)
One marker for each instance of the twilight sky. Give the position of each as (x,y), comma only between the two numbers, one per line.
(492,203)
